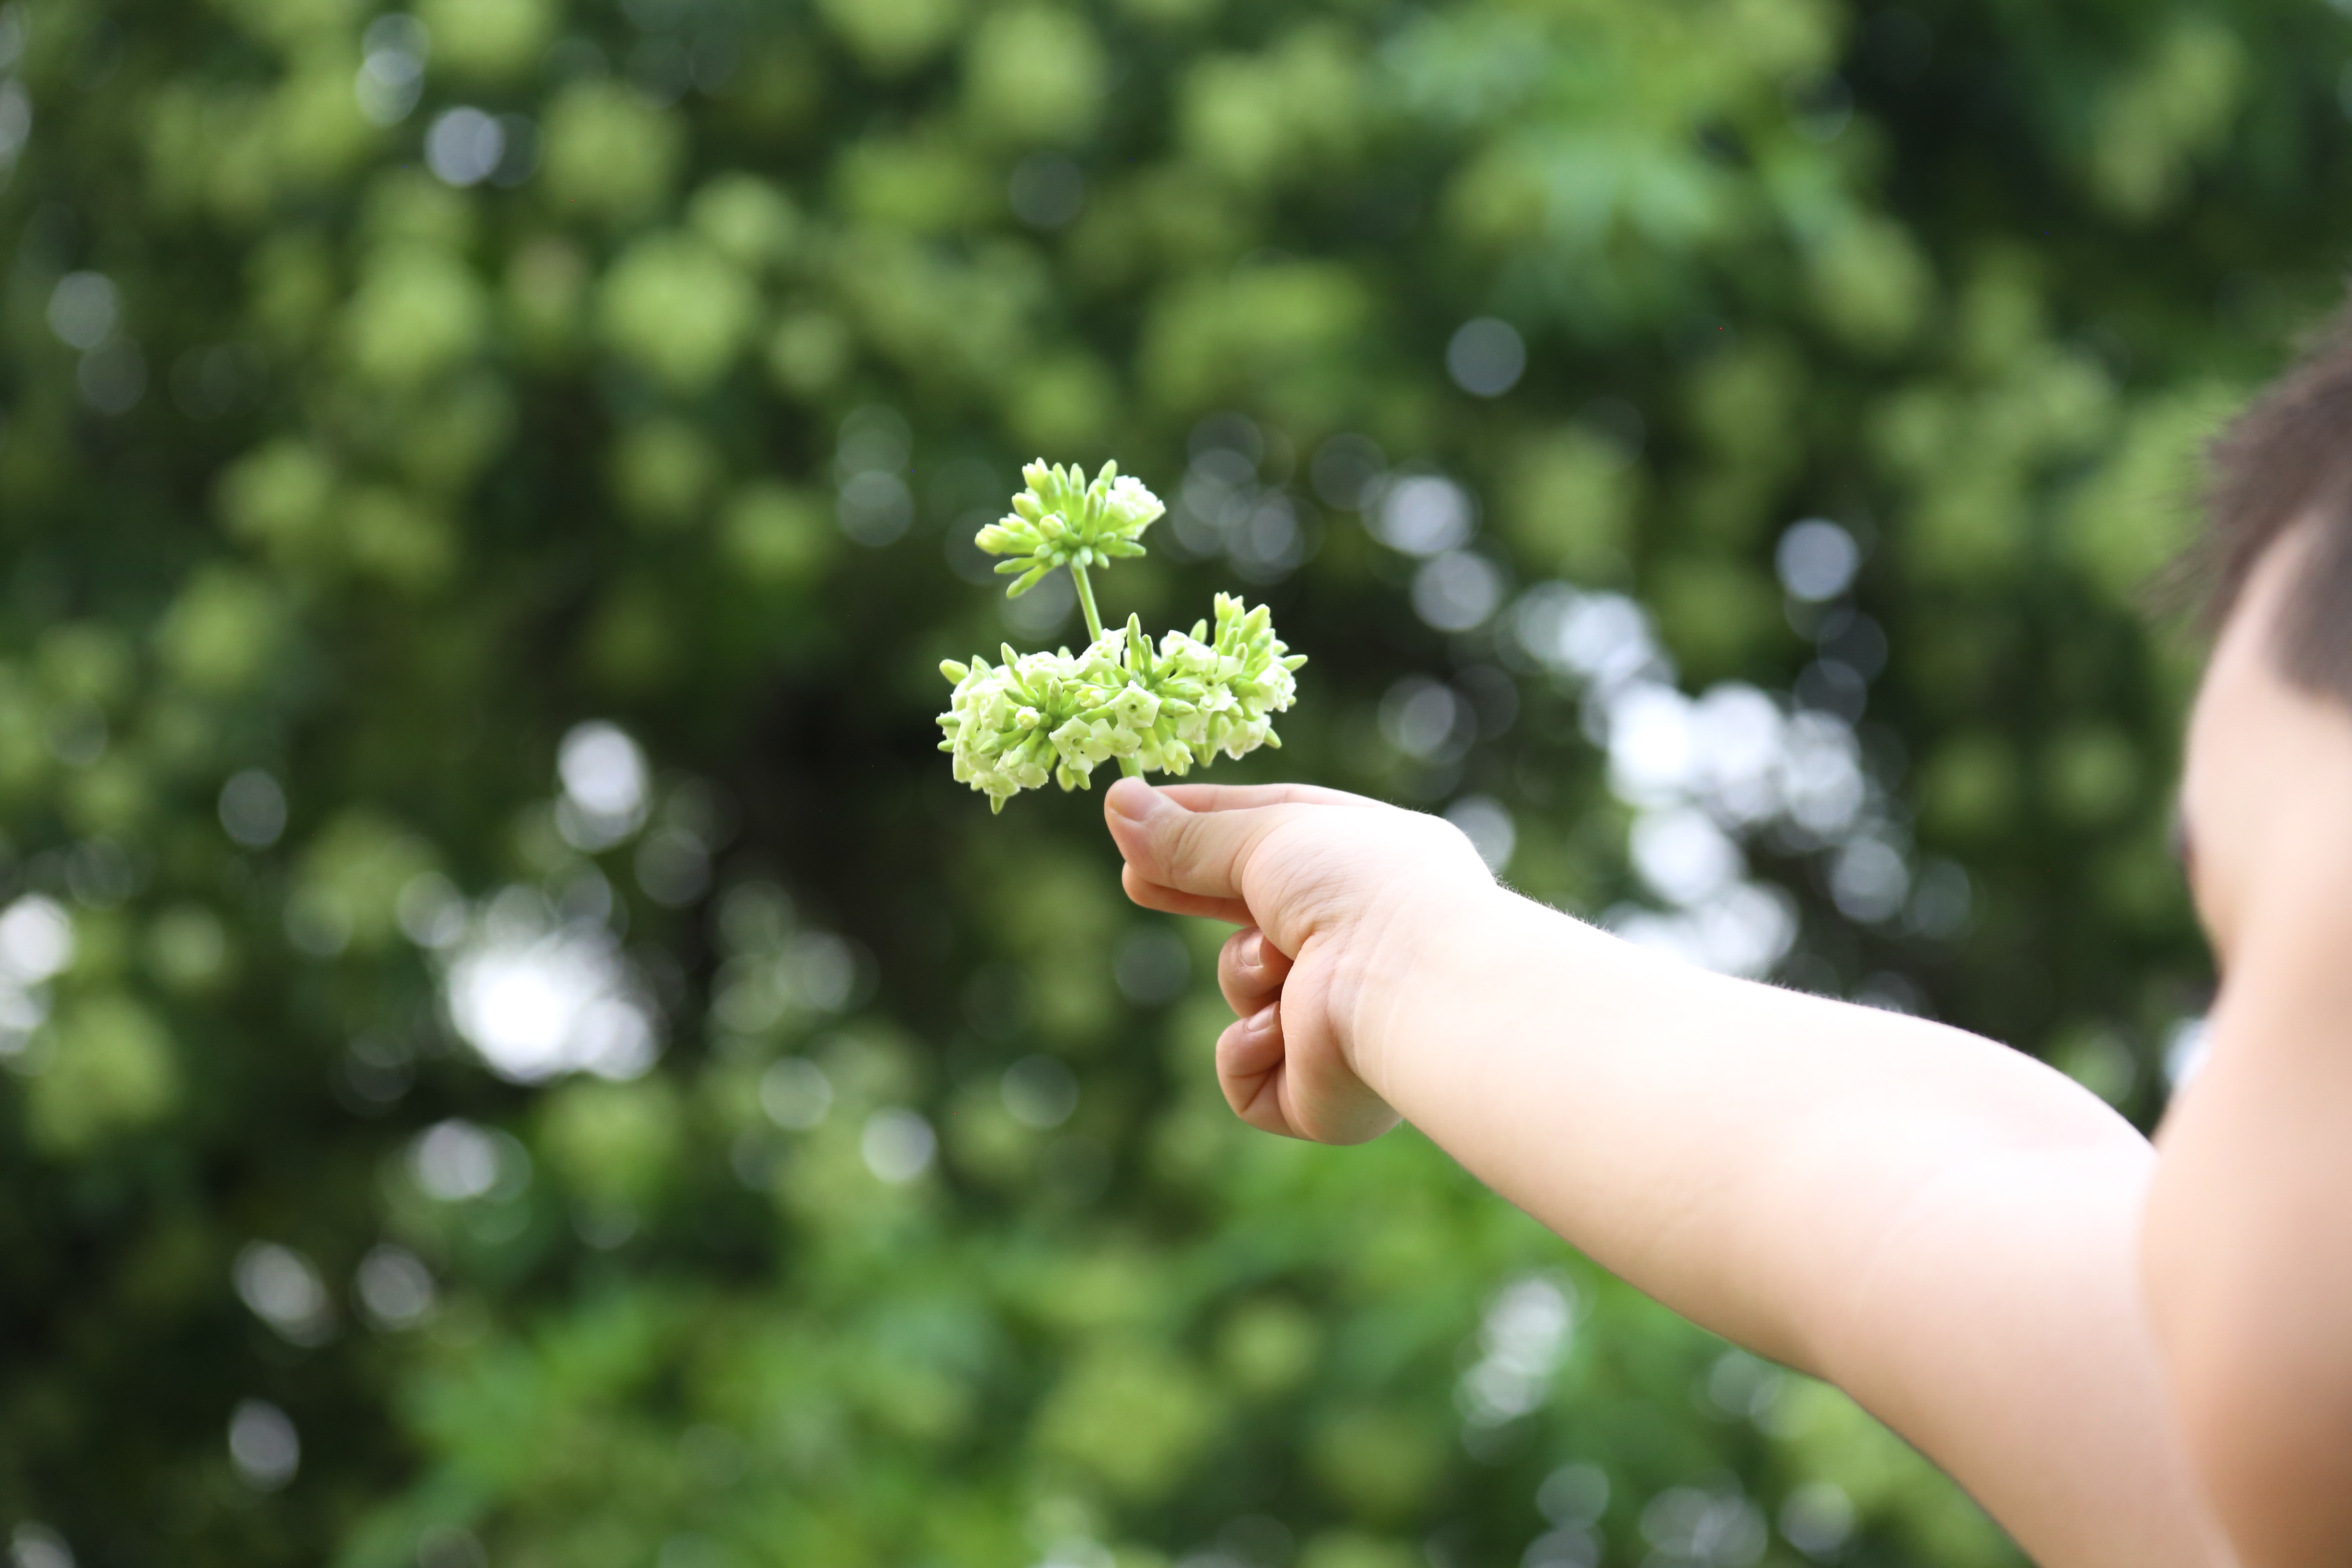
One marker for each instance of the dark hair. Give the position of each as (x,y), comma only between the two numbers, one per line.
(2287,459)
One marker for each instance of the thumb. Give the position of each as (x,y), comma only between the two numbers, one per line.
(1201,852)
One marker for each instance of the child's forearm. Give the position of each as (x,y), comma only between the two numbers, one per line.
(1940,1225)
(1702,1135)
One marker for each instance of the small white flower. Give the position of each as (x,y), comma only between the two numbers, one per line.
(1137,707)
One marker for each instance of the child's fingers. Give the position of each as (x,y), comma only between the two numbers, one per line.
(1250,1065)
(1168,900)
(1252,1047)
(1193,852)
(1250,971)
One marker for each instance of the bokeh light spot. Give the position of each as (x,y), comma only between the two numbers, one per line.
(897,1144)
(263,1444)
(84,310)
(1046,190)
(252,809)
(1486,357)
(1817,561)
(464,146)
(1040,1092)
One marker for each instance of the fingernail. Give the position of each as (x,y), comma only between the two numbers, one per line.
(1263,1021)
(1135,801)
(1253,953)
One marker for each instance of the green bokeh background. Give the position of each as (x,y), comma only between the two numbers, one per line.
(321,472)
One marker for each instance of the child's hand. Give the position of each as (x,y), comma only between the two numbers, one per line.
(1332,891)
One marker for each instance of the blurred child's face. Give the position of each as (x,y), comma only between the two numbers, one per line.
(2266,799)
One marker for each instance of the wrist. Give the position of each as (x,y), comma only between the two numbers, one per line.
(1417,954)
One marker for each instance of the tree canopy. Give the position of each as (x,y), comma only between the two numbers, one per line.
(517,1049)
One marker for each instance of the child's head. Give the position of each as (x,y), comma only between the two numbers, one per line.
(2268,797)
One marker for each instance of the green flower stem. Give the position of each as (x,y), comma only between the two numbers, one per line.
(1126,764)
(1086,602)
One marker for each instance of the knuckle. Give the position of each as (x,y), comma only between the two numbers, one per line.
(1180,838)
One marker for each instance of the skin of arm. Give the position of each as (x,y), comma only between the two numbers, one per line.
(2248,1243)
(1942,1227)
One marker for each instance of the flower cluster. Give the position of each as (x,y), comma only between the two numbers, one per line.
(1055,715)
(1065,520)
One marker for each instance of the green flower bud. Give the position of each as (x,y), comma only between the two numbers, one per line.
(1063,519)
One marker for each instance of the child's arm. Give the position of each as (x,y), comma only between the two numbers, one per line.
(1940,1226)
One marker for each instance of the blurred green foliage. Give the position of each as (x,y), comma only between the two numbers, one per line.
(731,1146)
